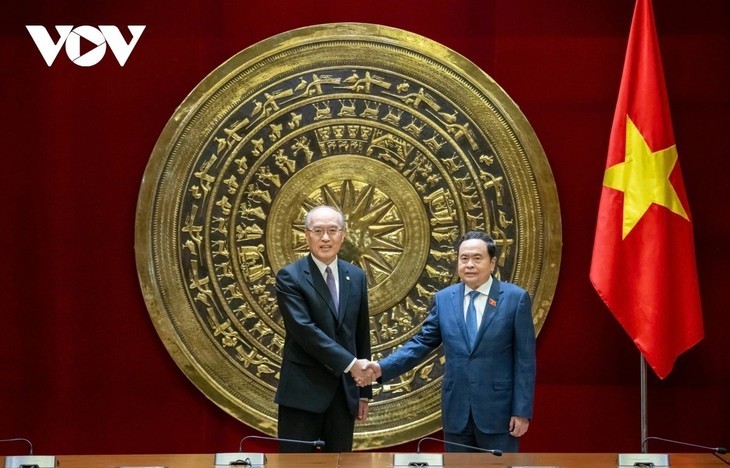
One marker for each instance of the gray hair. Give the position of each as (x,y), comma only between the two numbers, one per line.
(308,216)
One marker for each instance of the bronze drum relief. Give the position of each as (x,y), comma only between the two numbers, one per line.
(409,139)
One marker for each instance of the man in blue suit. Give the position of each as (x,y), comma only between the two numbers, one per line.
(324,303)
(485,326)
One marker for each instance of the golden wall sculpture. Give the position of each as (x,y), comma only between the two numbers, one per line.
(409,139)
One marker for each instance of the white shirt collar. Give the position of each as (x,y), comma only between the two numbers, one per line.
(322,266)
(483,289)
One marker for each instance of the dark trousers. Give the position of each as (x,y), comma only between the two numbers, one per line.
(474,437)
(335,427)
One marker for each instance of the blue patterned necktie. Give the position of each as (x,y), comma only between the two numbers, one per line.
(332,287)
(471,319)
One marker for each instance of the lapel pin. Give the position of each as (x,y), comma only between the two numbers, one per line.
(347,278)
(492,302)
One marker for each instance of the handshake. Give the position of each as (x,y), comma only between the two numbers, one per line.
(365,372)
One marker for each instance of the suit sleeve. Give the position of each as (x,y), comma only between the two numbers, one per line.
(303,330)
(362,335)
(524,359)
(416,349)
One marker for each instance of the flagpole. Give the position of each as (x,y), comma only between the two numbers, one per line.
(644,431)
(643,458)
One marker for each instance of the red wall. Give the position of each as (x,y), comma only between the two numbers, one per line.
(82,369)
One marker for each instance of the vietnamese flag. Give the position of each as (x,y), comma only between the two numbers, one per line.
(643,264)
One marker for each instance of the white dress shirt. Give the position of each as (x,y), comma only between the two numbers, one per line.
(480,302)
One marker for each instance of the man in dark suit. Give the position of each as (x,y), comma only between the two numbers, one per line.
(324,303)
(489,375)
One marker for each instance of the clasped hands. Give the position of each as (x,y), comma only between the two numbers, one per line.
(365,372)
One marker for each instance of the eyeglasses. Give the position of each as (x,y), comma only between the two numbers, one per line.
(319,231)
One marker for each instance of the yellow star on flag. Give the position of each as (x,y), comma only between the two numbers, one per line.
(644,178)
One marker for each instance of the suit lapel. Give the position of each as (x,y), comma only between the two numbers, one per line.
(490,309)
(317,281)
(457,305)
(343,272)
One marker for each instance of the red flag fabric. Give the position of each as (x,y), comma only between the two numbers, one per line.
(643,264)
